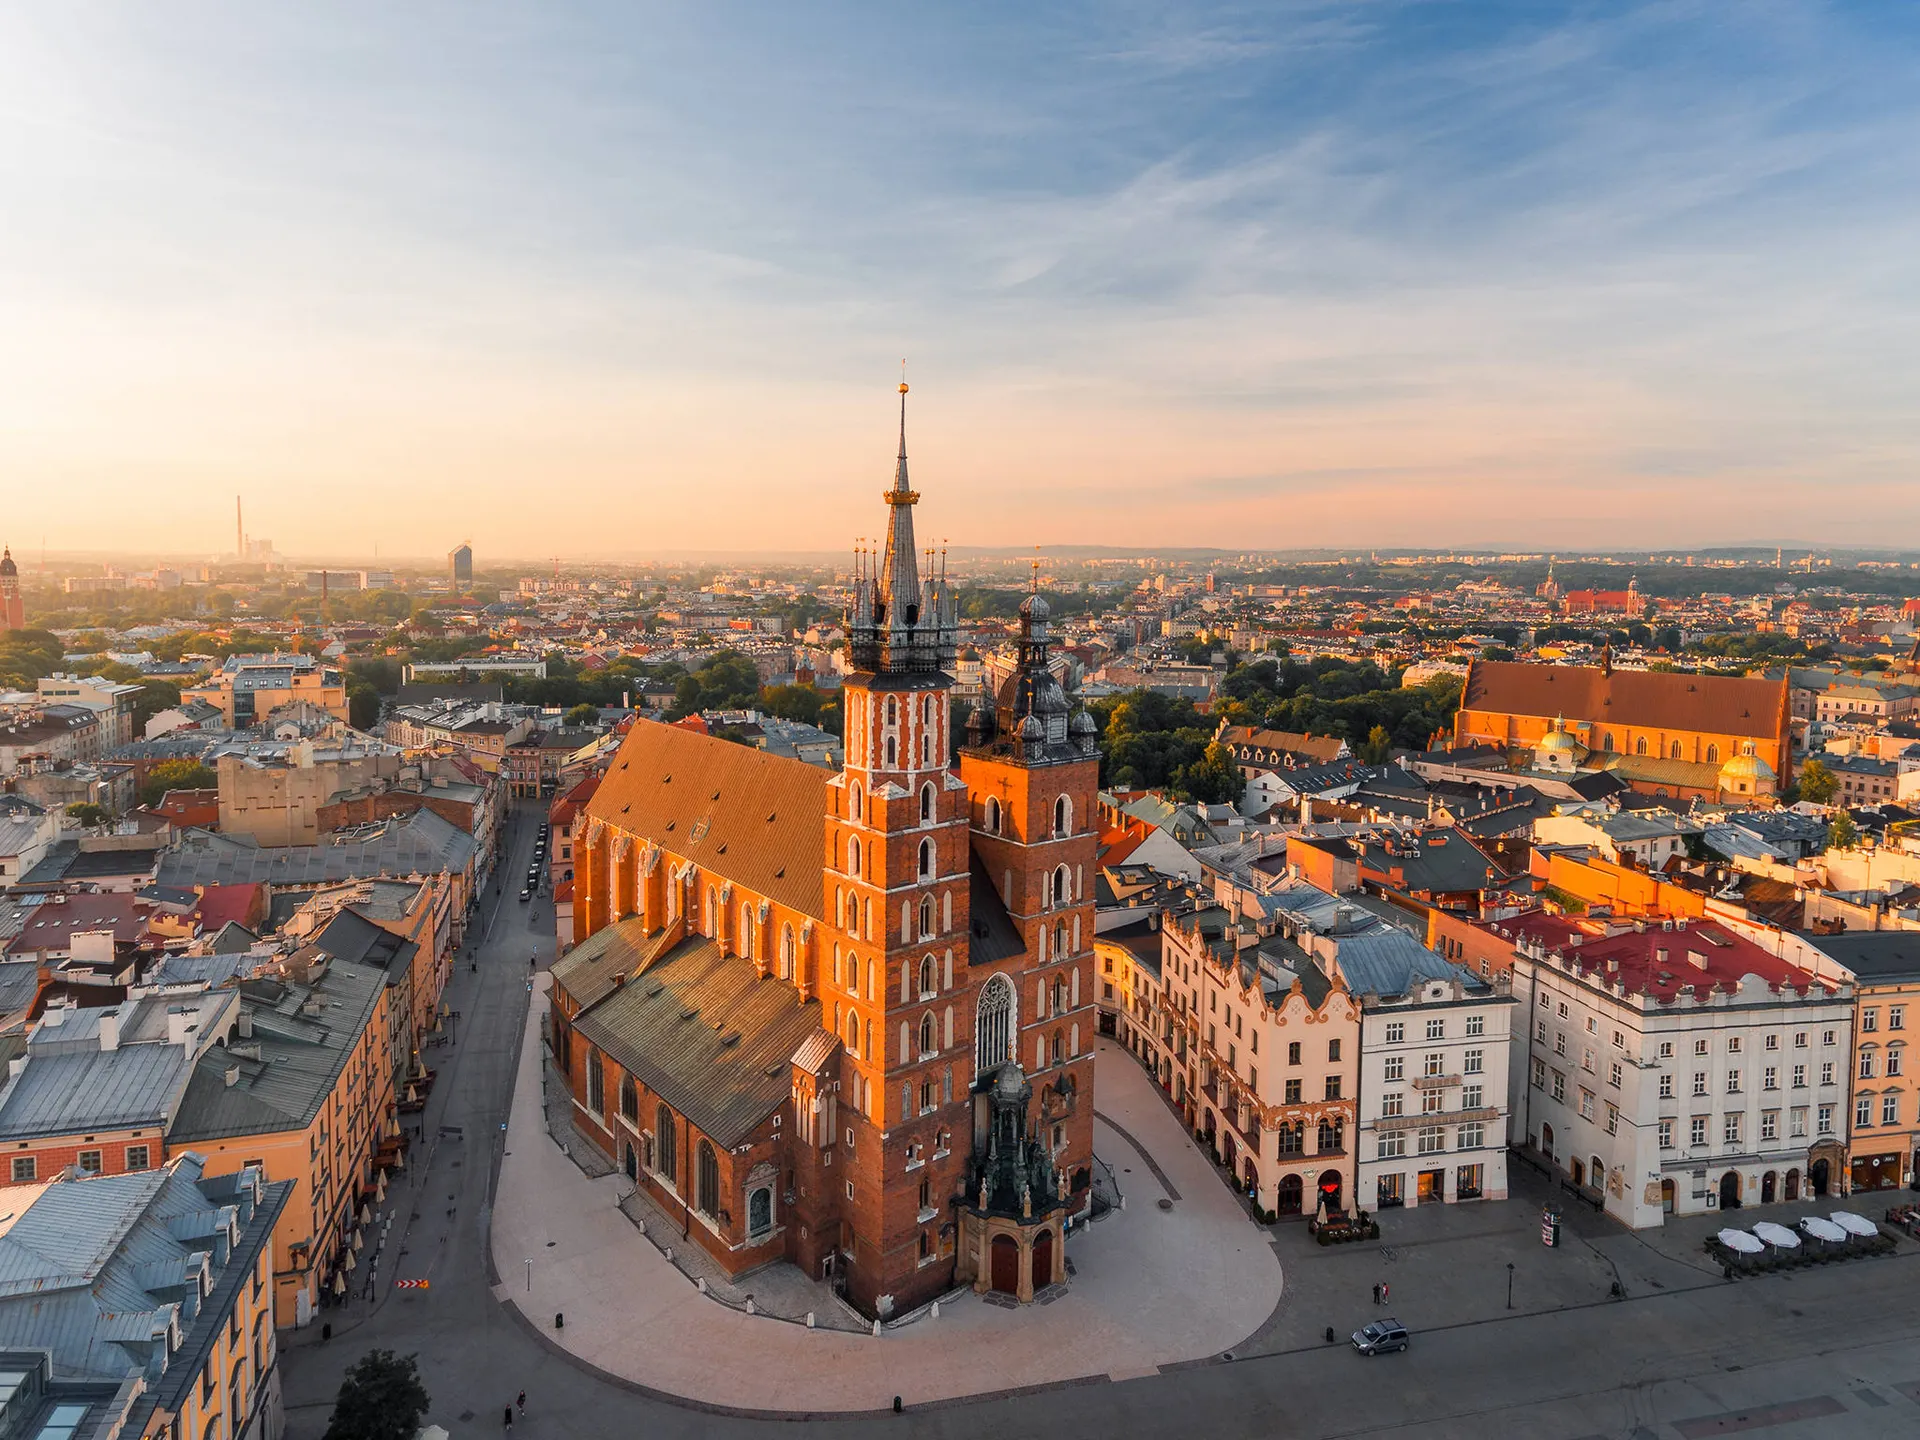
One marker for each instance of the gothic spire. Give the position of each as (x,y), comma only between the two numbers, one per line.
(900,574)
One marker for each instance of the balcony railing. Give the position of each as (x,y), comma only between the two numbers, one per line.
(1434,1082)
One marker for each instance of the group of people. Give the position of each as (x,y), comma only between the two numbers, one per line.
(521,1403)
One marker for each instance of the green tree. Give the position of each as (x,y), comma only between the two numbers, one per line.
(1842,833)
(381,1398)
(1377,747)
(799,703)
(363,704)
(1213,779)
(175,775)
(584,713)
(154,696)
(87,813)
(1817,783)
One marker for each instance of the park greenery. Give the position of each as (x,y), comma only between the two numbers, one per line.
(181,774)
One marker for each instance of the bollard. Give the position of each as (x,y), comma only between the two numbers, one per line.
(935,1312)
(810,1319)
(702,1283)
(896,1404)
(876,1329)
(750,1309)
(669,1254)
(559,1320)
(1330,1335)
(326,1331)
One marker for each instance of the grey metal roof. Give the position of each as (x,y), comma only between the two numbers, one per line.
(1390,962)
(707,1034)
(69,1085)
(301,1056)
(1876,957)
(419,843)
(99,1271)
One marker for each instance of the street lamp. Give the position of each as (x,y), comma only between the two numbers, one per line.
(1509,1284)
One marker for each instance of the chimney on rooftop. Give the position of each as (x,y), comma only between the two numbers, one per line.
(1696,959)
(110,1029)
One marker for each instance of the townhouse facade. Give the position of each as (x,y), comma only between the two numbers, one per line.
(1676,1067)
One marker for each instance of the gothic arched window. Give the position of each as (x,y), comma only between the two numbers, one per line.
(1674,752)
(665,1145)
(1057,1047)
(926,801)
(926,859)
(991,818)
(852,1038)
(707,1192)
(1640,746)
(1062,816)
(993,1028)
(856,802)
(926,917)
(708,926)
(893,750)
(1060,886)
(786,952)
(929,1036)
(853,856)
(745,938)
(1713,754)
(929,975)
(893,711)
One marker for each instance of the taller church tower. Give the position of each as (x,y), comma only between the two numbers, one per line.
(13,613)
(895,988)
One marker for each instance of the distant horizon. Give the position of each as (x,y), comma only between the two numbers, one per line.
(578,279)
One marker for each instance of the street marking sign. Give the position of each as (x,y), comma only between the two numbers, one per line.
(409,1284)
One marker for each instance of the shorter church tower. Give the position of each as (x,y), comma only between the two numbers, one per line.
(13,611)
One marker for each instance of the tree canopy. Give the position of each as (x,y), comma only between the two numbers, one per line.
(381,1398)
(1817,782)
(180,774)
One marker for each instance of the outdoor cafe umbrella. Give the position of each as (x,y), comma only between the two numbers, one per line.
(1777,1235)
(1823,1230)
(339,1284)
(359,1242)
(380,1188)
(351,1263)
(1855,1224)
(366,1214)
(1741,1241)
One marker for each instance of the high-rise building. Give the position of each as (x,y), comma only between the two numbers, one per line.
(460,564)
(871,1057)
(13,610)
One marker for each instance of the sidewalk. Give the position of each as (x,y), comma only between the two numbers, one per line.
(1150,1287)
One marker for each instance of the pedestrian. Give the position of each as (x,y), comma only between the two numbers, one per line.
(1383,1292)
(1376,1292)
(523,1402)
(509,1417)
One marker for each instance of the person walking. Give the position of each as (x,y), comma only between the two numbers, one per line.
(509,1417)
(1376,1292)
(523,1403)
(1384,1291)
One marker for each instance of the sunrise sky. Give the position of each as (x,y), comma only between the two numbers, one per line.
(599,280)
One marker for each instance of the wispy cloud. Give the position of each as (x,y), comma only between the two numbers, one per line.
(1334,271)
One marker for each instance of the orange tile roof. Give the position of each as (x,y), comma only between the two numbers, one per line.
(754,818)
(1716,704)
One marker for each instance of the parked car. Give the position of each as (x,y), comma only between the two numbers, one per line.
(526,895)
(1380,1337)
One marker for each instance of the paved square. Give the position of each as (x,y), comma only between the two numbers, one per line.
(1151,1287)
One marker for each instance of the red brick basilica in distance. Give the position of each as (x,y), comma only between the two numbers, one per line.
(846,1020)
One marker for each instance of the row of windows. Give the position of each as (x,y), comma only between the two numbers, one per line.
(1733,1127)
(1434,1064)
(1432,1140)
(1432,1102)
(136,1157)
(1436,1028)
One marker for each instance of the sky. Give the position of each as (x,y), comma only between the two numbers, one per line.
(603,280)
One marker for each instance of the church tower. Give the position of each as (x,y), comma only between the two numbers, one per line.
(1032,769)
(894,974)
(13,611)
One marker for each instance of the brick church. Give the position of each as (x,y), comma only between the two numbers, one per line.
(846,1020)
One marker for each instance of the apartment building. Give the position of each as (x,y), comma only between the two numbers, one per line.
(249,688)
(1434,1051)
(148,1299)
(1883,1120)
(1271,1045)
(1676,1067)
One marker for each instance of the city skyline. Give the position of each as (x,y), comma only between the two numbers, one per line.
(1337,277)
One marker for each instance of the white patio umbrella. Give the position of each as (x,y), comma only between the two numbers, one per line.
(1741,1241)
(380,1188)
(1855,1224)
(359,1242)
(400,1160)
(366,1214)
(1777,1236)
(1823,1229)
(351,1263)
(339,1285)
